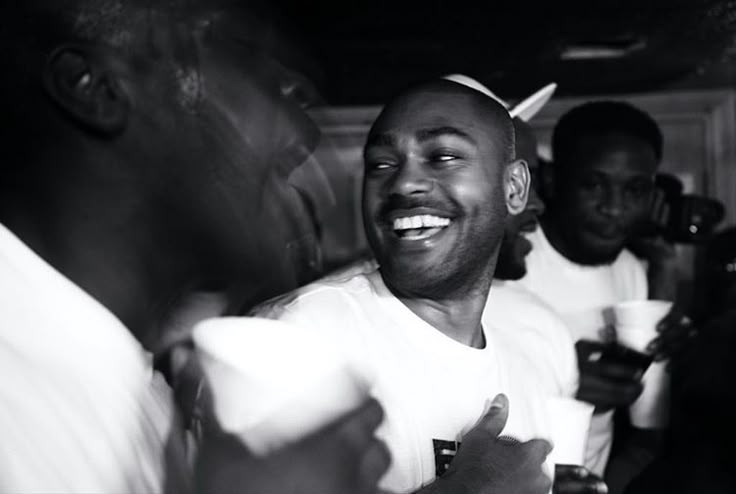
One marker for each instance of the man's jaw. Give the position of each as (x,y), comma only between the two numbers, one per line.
(528,223)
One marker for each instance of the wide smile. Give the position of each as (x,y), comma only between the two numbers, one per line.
(417,227)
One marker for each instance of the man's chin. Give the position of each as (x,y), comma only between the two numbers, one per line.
(598,256)
(510,271)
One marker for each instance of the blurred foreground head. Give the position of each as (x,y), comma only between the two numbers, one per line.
(158,133)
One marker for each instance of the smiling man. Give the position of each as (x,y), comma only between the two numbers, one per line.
(440,180)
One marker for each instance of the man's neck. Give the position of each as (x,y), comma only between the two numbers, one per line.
(456,316)
(122,268)
(555,235)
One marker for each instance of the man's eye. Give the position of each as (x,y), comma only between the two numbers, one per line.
(380,165)
(593,186)
(640,190)
(442,157)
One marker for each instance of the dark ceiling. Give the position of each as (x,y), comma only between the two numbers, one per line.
(368,50)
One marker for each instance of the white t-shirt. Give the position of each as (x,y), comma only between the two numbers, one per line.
(583,296)
(433,388)
(81,409)
(523,321)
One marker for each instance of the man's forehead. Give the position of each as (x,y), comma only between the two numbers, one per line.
(425,116)
(611,142)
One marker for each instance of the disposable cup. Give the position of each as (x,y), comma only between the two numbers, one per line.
(569,422)
(274,383)
(636,321)
(651,409)
(636,327)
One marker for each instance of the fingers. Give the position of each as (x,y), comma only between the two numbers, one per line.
(573,479)
(606,393)
(375,462)
(608,333)
(623,371)
(538,449)
(357,427)
(576,486)
(676,330)
(574,471)
(494,420)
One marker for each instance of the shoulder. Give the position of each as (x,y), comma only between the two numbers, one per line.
(630,275)
(627,260)
(529,326)
(330,297)
(530,313)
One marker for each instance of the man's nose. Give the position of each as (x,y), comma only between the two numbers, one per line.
(411,178)
(613,202)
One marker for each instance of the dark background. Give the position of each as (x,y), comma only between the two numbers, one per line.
(366,51)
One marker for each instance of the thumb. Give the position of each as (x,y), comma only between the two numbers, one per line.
(494,420)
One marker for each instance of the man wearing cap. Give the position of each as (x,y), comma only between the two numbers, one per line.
(440,179)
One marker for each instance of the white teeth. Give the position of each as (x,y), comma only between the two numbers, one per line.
(420,221)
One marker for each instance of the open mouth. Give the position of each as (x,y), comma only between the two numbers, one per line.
(419,227)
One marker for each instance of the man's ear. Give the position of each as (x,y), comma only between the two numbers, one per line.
(517,180)
(78,80)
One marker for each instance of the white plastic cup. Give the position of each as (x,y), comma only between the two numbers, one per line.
(636,327)
(274,383)
(569,423)
(636,321)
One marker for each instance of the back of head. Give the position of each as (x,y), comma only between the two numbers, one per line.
(602,118)
(34,30)
(152,36)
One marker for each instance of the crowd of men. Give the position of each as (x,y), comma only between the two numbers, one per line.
(148,147)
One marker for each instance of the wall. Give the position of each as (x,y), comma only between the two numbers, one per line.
(699,147)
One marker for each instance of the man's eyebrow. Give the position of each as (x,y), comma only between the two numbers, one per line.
(426,134)
(380,140)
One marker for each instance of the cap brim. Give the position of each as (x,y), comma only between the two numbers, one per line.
(529,107)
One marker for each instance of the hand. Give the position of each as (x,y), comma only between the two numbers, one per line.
(487,464)
(344,457)
(574,479)
(675,332)
(607,383)
(663,269)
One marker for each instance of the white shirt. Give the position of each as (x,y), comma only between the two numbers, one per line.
(433,388)
(81,409)
(583,296)
(523,321)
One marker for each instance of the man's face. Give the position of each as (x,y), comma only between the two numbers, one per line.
(603,194)
(232,152)
(515,246)
(433,193)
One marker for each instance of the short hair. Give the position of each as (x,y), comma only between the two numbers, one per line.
(600,118)
(489,107)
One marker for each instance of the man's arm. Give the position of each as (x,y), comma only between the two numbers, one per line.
(344,457)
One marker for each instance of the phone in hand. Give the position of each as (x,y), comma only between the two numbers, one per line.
(595,353)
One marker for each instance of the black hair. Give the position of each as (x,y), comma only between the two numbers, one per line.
(599,118)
